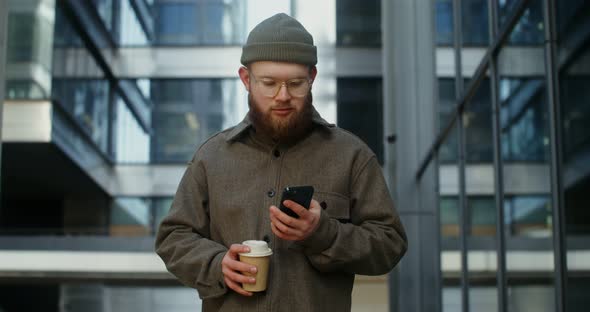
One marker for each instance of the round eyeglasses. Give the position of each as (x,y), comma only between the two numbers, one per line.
(297,87)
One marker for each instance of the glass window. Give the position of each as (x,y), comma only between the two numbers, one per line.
(475,22)
(358,23)
(524,119)
(132,143)
(528,215)
(477,120)
(87,101)
(444,22)
(20,37)
(188,111)
(206,22)
(449,216)
(131,32)
(529,29)
(104,9)
(130,217)
(360,110)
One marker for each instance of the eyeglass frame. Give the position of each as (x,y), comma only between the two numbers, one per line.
(284,83)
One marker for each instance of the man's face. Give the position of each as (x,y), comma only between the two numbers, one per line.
(285,114)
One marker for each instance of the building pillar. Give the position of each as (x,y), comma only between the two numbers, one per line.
(410,113)
(3,47)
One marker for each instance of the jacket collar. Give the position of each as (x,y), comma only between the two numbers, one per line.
(246,123)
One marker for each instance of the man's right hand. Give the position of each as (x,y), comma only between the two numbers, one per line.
(232,269)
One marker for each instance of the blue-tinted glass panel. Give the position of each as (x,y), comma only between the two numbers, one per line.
(529,29)
(104,8)
(87,101)
(358,23)
(524,119)
(211,22)
(528,215)
(444,22)
(131,31)
(475,22)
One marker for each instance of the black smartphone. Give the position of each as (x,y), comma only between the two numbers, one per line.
(299,194)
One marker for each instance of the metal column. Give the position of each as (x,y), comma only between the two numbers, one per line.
(498,164)
(410,113)
(3,44)
(463,213)
(557,202)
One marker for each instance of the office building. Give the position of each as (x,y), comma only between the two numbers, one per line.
(477,109)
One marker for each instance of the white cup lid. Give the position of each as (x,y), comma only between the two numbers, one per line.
(257,248)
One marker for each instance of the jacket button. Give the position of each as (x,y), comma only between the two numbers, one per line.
(323,205)
(266,238)
(271,193)
(276,153)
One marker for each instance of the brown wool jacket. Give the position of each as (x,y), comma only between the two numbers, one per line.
(223,199)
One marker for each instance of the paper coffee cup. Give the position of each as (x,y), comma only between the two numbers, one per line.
(259,256)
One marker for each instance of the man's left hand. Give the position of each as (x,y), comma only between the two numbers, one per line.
(289,228)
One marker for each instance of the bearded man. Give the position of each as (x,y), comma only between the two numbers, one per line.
(231,190)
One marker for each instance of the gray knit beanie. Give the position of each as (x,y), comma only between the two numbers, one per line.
(280,38)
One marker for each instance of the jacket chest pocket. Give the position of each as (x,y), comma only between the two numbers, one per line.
(337,206)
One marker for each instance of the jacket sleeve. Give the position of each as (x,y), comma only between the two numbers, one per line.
(183,240)
(373,242)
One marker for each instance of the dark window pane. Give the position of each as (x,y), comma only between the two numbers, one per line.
(360,110)
(358,23)
(21,29)
(475,22)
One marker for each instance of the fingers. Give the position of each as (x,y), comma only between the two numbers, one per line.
(233,270)
(282,235)
(301,211)
(236,287)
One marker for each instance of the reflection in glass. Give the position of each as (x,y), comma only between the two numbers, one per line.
(212,22)
(449,216)
(161,208)
(188,111)
(132,143)
(529,29)
(104,8)
(524,119)
(86,100)
(358,23)
(526,157)
(130,217)
(528,216)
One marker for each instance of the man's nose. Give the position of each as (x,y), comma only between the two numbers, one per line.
(283,94)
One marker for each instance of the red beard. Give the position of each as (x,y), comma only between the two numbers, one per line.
(289,130)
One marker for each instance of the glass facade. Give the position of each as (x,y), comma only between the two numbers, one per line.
(515,80)
(119,138)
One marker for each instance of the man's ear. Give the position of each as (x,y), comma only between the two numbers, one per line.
(245,77)
(313,71)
